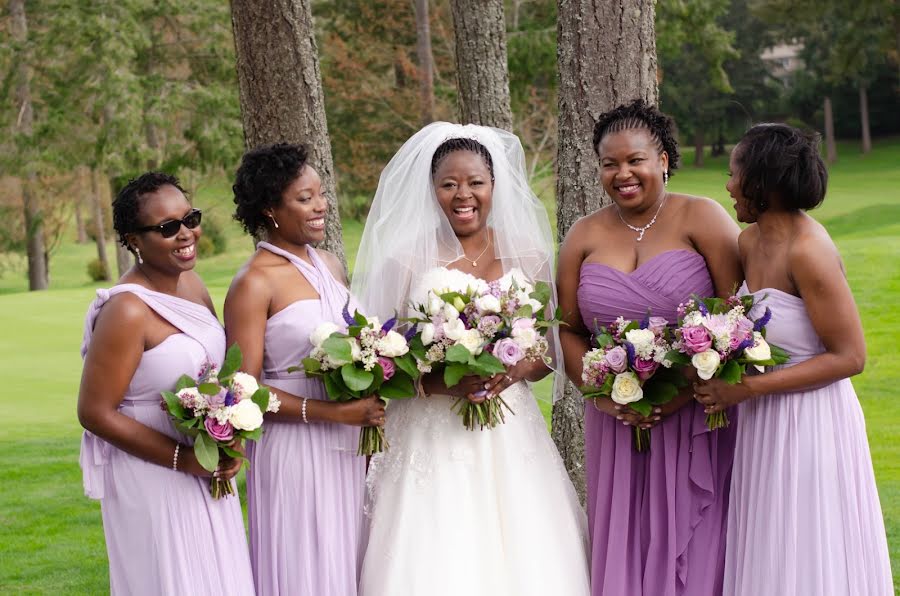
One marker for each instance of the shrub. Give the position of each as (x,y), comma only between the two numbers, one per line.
(213,241)
(97,271)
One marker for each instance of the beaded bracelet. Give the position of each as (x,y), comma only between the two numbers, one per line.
(175,457)
(303,411)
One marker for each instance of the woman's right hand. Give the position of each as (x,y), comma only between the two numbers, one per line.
(624,414)
(368,411)
(468,387)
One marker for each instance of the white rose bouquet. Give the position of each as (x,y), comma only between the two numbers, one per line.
(717,337)
(467,326)
(630,365)
(364,359)
(220,408)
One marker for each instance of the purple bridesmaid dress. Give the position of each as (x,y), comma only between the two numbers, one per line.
(305,484)
(657,519)
(164,532)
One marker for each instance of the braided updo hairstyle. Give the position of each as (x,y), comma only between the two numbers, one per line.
(127,204)
(780,160)
(461,144)
(639,114)
(261,179)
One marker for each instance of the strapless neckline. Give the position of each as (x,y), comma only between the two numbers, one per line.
(746,288)
(645,263)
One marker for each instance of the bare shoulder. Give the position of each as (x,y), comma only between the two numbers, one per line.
(195,289)
(702,209)
(252,277)
(124,311)
(583,229)
(334,264)
(812,245)
(748,239)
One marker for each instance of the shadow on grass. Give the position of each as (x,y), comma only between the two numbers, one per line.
(864,221)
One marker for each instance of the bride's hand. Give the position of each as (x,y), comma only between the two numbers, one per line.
(468,386)
(515,373)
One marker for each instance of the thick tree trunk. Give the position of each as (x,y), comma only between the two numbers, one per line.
(38,274)
(281,89)
(426,61)
(607,56)
(482,72)
(830,144)
(99,223)
(698,148)
(864,118)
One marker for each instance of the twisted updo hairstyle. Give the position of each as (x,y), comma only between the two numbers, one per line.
(127,204)
(261,179)
(461,144)
(781,161)
(640,115)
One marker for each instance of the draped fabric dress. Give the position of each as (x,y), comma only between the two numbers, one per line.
(156,520)
(657,519)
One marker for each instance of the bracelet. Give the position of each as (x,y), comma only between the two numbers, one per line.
(303,411)
(175,457)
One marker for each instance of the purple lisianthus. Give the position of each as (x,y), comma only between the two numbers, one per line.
(508,352)
(388,368)
(645,368)
(696,339)
(616,359)
(657,325)
(218,400)
(219,432)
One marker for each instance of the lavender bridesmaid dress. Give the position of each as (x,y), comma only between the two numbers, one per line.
(656,519)
(164,532)
(306,484)
(804,516)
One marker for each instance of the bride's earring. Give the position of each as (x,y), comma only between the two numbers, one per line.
(273,221)
(137,253)
(665,178)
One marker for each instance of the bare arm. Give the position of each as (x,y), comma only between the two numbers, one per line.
(715,235)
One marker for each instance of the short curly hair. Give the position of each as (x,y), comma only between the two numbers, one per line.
(261,179)
(127,204)
(461,144)
(640,114)
(777,159)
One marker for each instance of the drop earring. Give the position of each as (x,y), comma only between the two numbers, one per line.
(273,221)
(137,253)
(665,178)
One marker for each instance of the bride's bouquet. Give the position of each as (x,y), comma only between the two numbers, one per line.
(366,358)
(467,326)
(717,337)
(220,408)
(631,366)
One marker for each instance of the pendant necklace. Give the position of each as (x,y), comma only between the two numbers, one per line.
(475,260)
(642,229)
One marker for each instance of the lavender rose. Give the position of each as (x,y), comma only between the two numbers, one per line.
(657,324)
(645,368)
(508,352)
(218,431)
(617,359)
(387,367)
(696,339)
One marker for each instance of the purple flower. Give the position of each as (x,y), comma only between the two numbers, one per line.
(387,367)
(489,324)
(219,432)
(629,349)
(217,400)
(763,321)
(696,340)
(645,368)
(389,324)
(701,306)
(508,352)
(345,312)
(657,325)
(229,398)
(617,359)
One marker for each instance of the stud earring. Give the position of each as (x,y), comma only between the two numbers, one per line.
(273,221)
(137,253)
(665,178)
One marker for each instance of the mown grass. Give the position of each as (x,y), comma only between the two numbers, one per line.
(51,537)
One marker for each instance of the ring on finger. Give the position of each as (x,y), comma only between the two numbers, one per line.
(508,378)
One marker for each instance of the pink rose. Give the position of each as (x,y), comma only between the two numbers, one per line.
(645,368)
(523,323)
(657,325)
(743,330)
(219,432)
(696,340)
(387,367)
(617,359)
(508,352)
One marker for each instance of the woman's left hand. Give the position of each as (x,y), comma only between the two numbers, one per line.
(502,381)
(717,395)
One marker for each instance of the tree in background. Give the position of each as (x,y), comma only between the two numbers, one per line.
(426,61)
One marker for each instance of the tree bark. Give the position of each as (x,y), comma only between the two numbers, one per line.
(482,72)
(280,87)
(426,61)
(864,118)
(830,145)
(38,274)
(100,223)
(698,148)
(84,184)
(606,51)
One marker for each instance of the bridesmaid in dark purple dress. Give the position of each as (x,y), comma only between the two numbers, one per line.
(657,518)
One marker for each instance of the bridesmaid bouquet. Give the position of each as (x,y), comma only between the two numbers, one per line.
(471,327)
(369,358)
(221,408)
(718,339)
(631,365)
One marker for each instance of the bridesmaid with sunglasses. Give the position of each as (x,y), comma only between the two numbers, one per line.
(140,336)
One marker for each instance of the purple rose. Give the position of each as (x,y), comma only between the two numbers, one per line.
(645,368)
(743,329)
(617,359)
(218,400)
(508,352)
(387,367)
(657,325)
(696,340)
(219,432)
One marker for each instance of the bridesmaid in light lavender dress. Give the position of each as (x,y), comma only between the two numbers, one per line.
(804,515)
(656,518)
(305,484)
(140,336)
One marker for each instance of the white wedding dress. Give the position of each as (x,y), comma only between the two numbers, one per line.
(469,513)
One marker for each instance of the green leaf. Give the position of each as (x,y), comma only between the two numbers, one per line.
(657,393)
(209,388)
(631,326)
(187,427)
(173,404)
(311,366)
(779,355)
(261,398)
(458,353)
(416,347)
(253,435)
(184,382)
(377,379)
(360,319)
(454,372)
(603,340)
(542,292)
(606,387)
(207,452)
(232,362)
(449,297)
(678,358)
(642,407)
(338,348)
(731,372)
(232,453)
(334,386)
(356,379)
(524,312)
(489,364)
(400,386)
(407,364)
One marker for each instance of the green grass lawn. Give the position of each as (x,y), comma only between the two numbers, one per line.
(51,537)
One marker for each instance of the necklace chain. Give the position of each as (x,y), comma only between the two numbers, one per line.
(643,229)
(475,260)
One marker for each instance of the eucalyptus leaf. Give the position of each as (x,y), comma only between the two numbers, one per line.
(184,382)
(173,404)
(407,364)
(207,452)
(356,379)
(400,386)
(338,348)
(233,358)
(310,366)
(334,386)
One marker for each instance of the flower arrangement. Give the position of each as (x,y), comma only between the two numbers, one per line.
(631,366)
(717,337)
(219,409)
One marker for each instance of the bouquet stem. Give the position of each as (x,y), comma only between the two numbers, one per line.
(641,439)
(488,413)
(371,440)
(717,420)
(219,488)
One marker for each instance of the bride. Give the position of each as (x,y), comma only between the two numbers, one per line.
(489,512)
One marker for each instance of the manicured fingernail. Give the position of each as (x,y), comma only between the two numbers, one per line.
(656,418)
(625,423)
(657,410)
(618,417)
(618,408)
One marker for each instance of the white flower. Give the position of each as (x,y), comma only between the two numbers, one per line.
(626,388)
(449,312)
(435,305)
(190,397)
(355,350)
(245,415)
(487,304)
(536,305)
(759,351)
(525,337)
(244,385)
(427,333)
(392,345)
(643,342)
(322,332)
(454,329)
(706,363)
(693,319)
(472,340)
(274,403)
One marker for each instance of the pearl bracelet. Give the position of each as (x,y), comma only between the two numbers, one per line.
(175,457)
(303,411)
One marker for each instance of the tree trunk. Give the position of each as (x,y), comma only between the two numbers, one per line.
(698,147)
(482,72)
(84,186)
(619,38)
(864,118)
(38,275)
(281,89)
(830,145)
(426,61)
(99,223)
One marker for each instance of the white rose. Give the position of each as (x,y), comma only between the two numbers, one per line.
(393,344)
(640,338)
(355,350)
(487,304)
(536,305)
(706,363)
(472,340)
(244,385)
(760,350)
(626,388)
(245,415)
(322,332)
(428,333)
(435,305)
(449,312)
(525,337)
(454,329)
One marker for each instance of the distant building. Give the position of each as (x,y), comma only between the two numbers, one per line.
(783,61)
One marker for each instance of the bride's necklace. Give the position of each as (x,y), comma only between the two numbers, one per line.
(641,230)
(474,261)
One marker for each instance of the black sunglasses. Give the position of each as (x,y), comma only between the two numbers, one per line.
(170,228)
